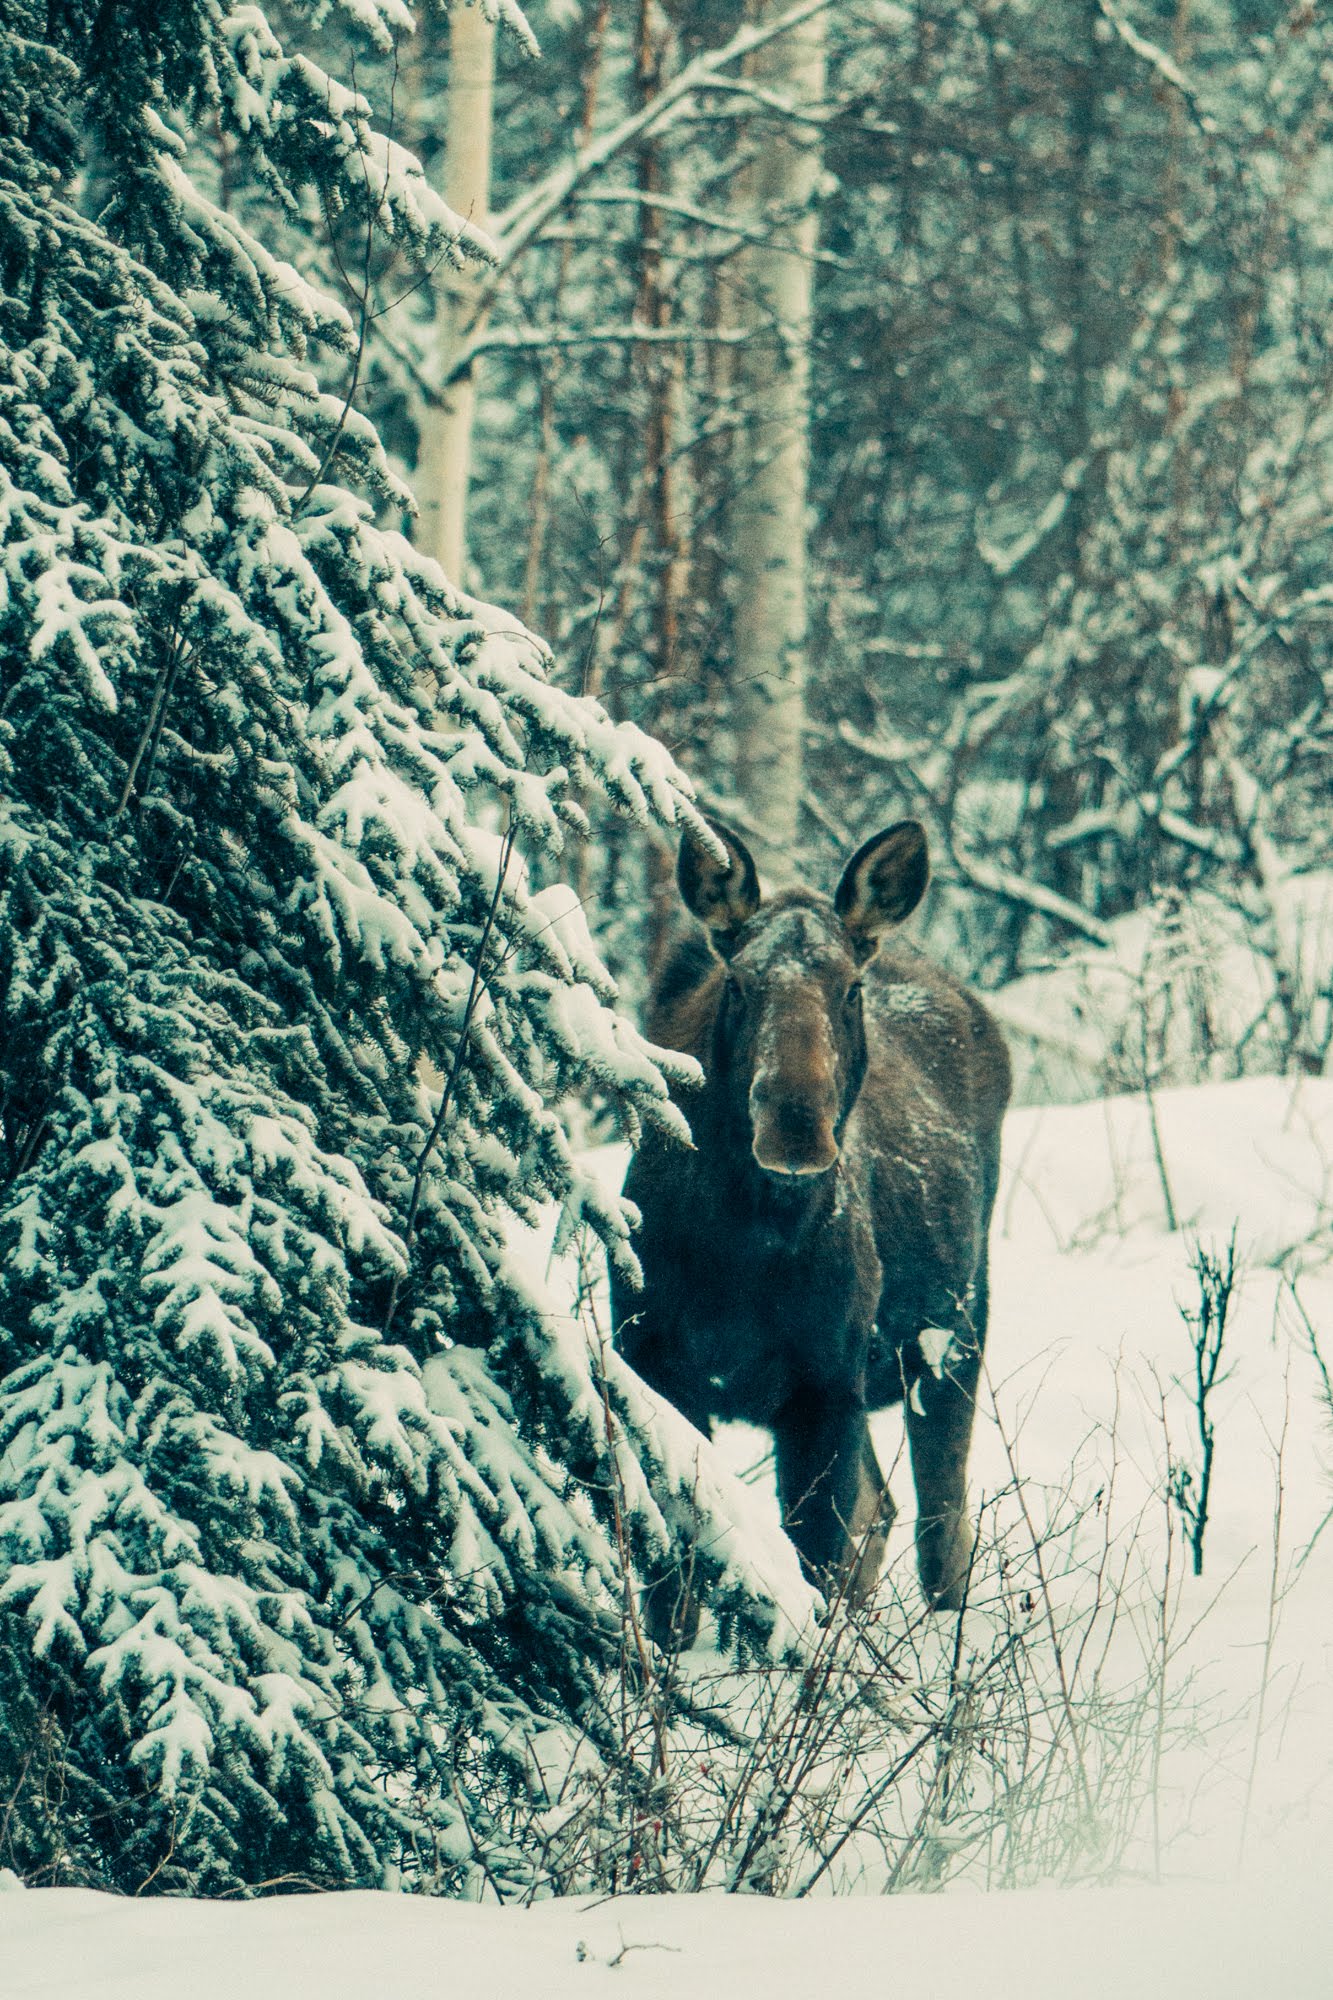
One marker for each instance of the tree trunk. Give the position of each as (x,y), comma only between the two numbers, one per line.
(445,456)
(769,508)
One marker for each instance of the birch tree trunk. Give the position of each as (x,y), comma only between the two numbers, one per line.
(445,457)
(769,532)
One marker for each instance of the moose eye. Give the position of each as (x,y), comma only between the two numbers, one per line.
(853,999)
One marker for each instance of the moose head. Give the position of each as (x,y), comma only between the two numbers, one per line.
(789,1041)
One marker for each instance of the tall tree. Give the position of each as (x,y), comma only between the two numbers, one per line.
(770,505)
(308,1513)
(444,463)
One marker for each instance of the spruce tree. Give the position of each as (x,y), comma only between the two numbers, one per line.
(303,1497)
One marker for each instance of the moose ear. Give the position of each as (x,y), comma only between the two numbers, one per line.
(721,895)
(883,883)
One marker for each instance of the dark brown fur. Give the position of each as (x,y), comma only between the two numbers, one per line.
(793,1293)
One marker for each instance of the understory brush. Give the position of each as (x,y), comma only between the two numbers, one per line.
(1097,1711)
(1042,1734)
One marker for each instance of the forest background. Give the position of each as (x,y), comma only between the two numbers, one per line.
(925,411)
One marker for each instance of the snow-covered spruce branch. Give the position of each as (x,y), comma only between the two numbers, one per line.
(377,209)
(445,1106)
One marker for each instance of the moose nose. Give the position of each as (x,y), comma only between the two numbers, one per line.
(792,1136)
(793,1091)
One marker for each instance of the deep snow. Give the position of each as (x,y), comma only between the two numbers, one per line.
(1135,1944)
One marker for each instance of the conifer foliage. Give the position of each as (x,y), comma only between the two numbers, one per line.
(300,1498)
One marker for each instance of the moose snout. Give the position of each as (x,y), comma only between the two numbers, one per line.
(793,1135)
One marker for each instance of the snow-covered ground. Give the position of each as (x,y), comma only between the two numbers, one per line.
(1271,1943)
(1091,1374)
(1225,1838)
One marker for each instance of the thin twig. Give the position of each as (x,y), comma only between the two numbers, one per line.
(151,731)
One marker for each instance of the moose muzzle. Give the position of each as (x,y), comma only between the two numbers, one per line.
(794,1097)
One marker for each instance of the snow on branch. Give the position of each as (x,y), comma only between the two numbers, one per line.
(1162,64)
(537,339)
(522,222)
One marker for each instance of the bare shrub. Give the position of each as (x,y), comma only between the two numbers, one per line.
(1009,1744)
(1217,1274)
(1024,1739)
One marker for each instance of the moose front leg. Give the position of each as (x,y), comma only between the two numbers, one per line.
(835,1503)
(940,1406)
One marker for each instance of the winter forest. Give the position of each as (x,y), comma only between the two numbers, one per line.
(449,458)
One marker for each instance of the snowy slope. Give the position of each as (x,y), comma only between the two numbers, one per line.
(1089,1401)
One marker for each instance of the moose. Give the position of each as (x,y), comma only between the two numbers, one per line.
(821,1250)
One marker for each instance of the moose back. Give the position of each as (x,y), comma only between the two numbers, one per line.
(821,1251)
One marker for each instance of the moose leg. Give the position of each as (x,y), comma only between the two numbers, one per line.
(835,1504)
(940,1407)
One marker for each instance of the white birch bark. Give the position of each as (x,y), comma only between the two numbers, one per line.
(769,512)
(445,457)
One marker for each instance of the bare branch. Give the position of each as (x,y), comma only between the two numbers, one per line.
(688,211)
(1165,66)
(539,339)
(524,220)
